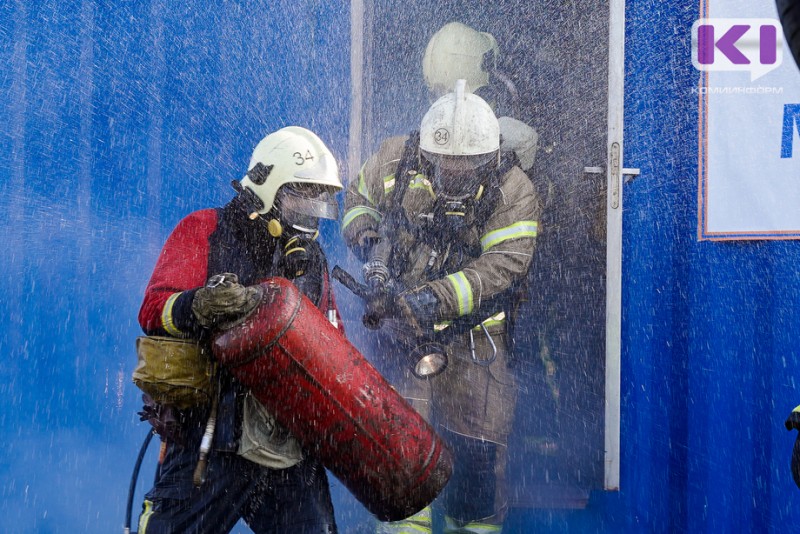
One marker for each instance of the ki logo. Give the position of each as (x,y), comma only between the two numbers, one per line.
(754,45)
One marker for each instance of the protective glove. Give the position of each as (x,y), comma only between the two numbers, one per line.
(793,423)
(418,309)
(223,302)
(379,305)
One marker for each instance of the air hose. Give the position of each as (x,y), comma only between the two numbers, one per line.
(205,445)
(134,478)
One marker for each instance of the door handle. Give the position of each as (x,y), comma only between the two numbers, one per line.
(630,173)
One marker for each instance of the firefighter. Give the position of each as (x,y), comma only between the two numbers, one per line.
(206,279)
(446,224)
(460,51)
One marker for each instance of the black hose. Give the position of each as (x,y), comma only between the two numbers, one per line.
(134,478)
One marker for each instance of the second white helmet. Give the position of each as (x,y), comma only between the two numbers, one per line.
(460,124)
(457,51)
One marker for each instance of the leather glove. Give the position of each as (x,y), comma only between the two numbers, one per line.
(418,308)
(223,302)
(378,306)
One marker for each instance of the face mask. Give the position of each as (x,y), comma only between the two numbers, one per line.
(455,184)
(459,177)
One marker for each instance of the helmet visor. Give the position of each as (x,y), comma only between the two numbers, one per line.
(313,201)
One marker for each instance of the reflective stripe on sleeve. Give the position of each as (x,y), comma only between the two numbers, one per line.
(166,316)
(362,185)
(388,184)
(463,291)
(353,213)
(421,182)
(514,231)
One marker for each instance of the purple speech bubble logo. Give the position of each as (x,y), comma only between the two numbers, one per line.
(754,45)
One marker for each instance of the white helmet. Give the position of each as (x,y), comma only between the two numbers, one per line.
(296,156)
(457,51)
(460,124)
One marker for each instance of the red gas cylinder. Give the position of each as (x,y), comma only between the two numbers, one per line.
(324,391)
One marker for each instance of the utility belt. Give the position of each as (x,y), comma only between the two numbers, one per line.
(175,372)
(184,391)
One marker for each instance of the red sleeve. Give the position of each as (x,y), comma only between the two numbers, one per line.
(182,266)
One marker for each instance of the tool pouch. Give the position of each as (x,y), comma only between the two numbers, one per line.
(174,372)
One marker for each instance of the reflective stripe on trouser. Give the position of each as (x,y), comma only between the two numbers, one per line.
(419,523)
(147,511)
(453,527)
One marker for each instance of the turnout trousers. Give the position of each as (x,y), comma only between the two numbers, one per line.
(472,406)
(270,501)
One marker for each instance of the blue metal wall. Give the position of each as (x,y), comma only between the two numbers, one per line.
(710,355)
(118,119)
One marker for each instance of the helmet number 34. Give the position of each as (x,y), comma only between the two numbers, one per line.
(441,136)
(300,159)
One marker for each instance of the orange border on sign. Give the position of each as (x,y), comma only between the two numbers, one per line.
(702,144)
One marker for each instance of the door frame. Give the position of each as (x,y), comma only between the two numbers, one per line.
(614,170)
(614,176)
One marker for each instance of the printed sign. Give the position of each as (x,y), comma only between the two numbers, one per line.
(749,131)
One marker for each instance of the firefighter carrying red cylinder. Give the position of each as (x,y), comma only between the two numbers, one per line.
(251,385)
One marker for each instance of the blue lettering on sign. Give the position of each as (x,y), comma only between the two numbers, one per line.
(791,119)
